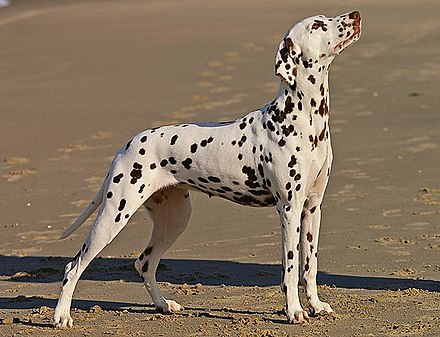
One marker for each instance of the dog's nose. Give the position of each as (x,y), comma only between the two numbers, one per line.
(354,15)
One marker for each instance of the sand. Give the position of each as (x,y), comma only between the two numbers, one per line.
(79,78)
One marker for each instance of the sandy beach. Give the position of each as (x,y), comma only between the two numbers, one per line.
(79,78)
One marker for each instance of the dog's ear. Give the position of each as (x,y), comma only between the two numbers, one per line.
(285,66)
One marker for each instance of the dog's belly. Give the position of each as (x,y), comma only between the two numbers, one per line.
(226,176)
(259,197)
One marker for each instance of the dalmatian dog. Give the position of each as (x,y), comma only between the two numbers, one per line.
(279,155)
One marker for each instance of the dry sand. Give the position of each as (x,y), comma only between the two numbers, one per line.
(78,78)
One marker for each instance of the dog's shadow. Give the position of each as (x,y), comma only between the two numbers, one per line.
(43,269)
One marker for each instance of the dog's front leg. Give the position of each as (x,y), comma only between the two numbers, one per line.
(311,218)
(290,217)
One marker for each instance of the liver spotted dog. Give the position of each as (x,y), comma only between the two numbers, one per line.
(279,155)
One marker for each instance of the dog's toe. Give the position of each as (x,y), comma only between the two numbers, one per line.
(174,306)
(63,322)
(319,306)
(170,307)
(298,317)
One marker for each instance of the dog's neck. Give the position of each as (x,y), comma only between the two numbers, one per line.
(309,95)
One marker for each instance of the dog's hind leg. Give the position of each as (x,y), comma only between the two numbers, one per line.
(121,198)
(108,224)
(170,210)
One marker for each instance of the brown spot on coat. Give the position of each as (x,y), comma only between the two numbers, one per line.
(323,108)
(322,134)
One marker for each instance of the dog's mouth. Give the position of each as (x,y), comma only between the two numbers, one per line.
(347,42)
(353,37)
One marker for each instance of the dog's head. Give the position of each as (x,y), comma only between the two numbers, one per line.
(314,42)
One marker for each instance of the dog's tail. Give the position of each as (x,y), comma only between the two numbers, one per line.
(86,213)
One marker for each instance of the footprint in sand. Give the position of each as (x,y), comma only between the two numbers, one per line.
(429,196)
(417,144)
(213,92)
(396,246)
(74,147)
(14,173)
(214,64)
(59,158)
(386,240)
(80,203)
(219,90)
(397,251)
(429,70)
(205,84)
(231,57)
(355,174)
(379,226)
(40,237)
(412,140)
(230,68)
(417,226)
(405,272)
(370,161)
(225,77)
(179,116)
(252,47)
(199,97)
(430,241)
(392,213)
(364,113)
(102,135)
(208,73)
(421,147)
(347,193)
(17,160)
(358,247)
(68,215)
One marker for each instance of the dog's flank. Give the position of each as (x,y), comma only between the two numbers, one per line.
(279,155)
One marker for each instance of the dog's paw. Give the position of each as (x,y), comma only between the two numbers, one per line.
(318,306)
(62,321)
(170,307)
(298,317)
(174,306)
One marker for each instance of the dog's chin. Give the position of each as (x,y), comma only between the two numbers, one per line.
(341,46)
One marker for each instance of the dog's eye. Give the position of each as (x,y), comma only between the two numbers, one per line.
(319,24)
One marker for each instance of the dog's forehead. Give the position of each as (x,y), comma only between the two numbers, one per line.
(317,24)
(298,29)
(320,19)
(315,18)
